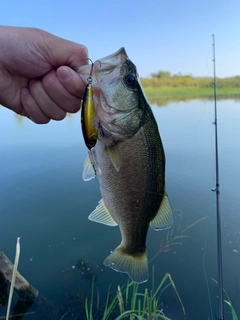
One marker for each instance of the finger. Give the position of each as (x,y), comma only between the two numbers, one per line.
(71,81)
(31,109)
(57,92)
(24,113)
(46,104)
(64,52)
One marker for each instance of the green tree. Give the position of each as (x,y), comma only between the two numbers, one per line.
(161,74)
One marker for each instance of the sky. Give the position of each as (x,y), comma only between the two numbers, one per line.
(167,35)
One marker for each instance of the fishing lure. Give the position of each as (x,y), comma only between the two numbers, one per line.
(90,131)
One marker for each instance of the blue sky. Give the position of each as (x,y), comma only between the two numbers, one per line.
(171,35)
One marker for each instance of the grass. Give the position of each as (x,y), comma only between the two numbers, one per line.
(174,237)
(163,95)
(129,303)
(229,303)
(13,278)
(188,91)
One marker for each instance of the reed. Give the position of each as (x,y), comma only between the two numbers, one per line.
(130,303)
(13,277)
(228,302)
(174,237)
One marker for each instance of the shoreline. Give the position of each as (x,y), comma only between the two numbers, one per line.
(163,95)
(154,92)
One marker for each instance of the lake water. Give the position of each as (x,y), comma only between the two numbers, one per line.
(45,202)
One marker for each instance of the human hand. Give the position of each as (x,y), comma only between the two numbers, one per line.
(35,78)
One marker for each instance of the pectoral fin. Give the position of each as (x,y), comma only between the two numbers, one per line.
(88,171)
(115,157)
(102,215)
(164,217)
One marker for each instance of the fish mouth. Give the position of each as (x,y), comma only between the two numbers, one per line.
(102,66)
(107,75)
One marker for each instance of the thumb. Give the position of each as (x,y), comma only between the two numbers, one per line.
(65,52)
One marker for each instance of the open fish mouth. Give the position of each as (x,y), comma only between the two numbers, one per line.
(104,66)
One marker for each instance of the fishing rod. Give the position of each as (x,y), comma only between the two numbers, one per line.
(217,190)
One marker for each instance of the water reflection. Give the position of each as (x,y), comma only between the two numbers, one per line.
(46,203)
(23,120)
(164,101)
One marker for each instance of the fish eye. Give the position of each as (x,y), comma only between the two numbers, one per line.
(129,80)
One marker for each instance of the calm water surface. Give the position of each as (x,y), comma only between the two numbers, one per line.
(45,201)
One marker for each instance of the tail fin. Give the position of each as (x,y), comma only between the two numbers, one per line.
(135,266)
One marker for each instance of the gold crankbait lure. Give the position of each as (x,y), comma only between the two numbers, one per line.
(90,132)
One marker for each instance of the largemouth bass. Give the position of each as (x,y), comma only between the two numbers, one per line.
(129,160)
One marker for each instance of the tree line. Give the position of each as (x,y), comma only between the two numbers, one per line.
(166,79)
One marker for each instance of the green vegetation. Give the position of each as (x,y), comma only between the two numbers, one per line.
(131,304)
(128,302)
(229,303)
(163,87)
(174,237)
(165,79)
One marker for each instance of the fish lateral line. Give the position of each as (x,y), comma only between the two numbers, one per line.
(126,192)
(90,172)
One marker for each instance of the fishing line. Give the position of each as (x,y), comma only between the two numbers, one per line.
(205,275)
(210,70)
(198,148)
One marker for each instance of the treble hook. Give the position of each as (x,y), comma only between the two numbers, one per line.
(89,79)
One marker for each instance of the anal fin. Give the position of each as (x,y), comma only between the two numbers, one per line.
(164,217)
